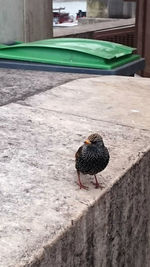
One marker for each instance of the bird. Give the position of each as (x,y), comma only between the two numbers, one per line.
(91,158)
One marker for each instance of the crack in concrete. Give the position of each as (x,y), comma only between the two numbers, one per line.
(85,117)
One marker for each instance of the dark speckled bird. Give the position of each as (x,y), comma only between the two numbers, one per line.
(92,157)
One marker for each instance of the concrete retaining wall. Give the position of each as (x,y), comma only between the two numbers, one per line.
(114,232)
(46,220)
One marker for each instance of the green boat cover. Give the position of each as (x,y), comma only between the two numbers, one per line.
(76,52)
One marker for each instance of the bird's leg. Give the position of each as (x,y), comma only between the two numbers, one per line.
(97,185)
(79,182)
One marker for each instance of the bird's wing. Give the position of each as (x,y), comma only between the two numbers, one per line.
(78,153)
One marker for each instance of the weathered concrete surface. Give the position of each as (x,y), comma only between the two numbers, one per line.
(45,219)
(119,100)
(19,84)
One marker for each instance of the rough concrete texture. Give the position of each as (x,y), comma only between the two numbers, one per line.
(19,84)
(46,220)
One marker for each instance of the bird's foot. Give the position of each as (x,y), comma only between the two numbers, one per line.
(97,185)
(82,186)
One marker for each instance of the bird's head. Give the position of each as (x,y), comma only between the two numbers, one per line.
(94,139)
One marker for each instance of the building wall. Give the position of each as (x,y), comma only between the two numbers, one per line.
(121,9)
(25,20)
(143,33)
(97,8)
(11,20)
(110,8)
(38,19)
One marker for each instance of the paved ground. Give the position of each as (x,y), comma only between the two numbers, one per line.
(41,203)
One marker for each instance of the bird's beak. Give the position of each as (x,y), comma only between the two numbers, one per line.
(87,142)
